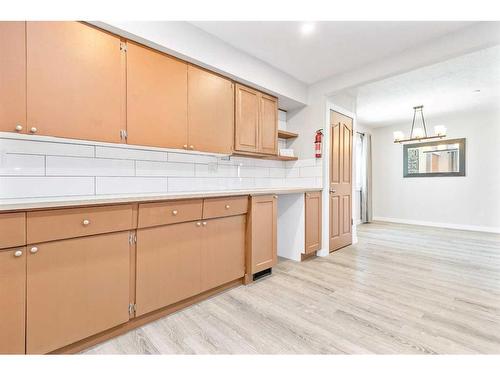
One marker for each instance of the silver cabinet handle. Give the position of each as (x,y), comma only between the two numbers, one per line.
(185,147)
(18,253)
(275,196)
(204,223)
(198,224)
(86,222)
(33,130)
(19,128)
(34,250)
(227,207)
(175,212)
(333,191)
(308,195)
(191,147)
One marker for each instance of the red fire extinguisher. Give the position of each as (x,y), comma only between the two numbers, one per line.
(317,142)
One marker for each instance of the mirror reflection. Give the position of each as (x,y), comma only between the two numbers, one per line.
(438,158)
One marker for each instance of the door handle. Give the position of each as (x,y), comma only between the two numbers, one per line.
(333,191)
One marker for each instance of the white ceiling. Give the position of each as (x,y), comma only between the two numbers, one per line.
(442,88)
(334,47)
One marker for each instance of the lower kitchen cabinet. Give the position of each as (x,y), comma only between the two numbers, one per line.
(168,265)
(12,300)
(313,222)
(178,261)
(223,252)
(76,288)
(263,233)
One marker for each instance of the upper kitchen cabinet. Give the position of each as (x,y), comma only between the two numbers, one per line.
(268,125)
(75,81)
(247,119)
(256,122)
(13,76)
(210,112)
(156,98)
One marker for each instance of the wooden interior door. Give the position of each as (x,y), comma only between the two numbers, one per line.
(313,222)
(168,265)
(247,119)
(264,246)
(156,98)
(210,111)
(340,180)
(12,300)
(76,81)
(223,254)
(76,288)
(268,125)
(13,76)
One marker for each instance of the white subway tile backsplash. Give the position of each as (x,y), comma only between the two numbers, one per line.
(310,171)
(18,146)
(64,169)
(129,153)
(215,170)
(185,184)
(159,168)
(19,164)
(70,166)
(277,172)
(32,187)
(131,185)
(254,172)
(191,158)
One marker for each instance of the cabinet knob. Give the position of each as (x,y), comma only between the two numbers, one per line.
(19,128)
(308,195)
(227,207)
(34,250)
(275,196)
(198,224)
(204,223)
(191,147)
(175,212)
(185,147)
(33,130)
(86,222)
(18,253)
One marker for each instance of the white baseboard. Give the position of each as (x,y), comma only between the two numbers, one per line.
(475,228)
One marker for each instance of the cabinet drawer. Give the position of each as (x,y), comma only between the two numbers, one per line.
(225,206)
(12,229)
(77,222)
(152,214)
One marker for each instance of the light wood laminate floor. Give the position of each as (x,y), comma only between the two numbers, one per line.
(400,289)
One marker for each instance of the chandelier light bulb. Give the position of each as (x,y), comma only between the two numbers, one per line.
(398,135)
(440,130)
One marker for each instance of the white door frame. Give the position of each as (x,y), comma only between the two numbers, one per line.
(325,249)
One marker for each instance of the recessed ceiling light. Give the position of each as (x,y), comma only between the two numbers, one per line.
(476,91)
(307,28)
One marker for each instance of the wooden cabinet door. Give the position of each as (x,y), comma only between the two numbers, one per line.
(223,254)
(247,119)
(76,81)
(156,98)
(313,222)
(76,288)
(13,76)
(168,265)
(210,112)
(263,216)
(268,125)
(12,300)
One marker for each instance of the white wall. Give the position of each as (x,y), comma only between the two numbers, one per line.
(470,202)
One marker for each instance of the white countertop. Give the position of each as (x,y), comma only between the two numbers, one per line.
(54,202)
